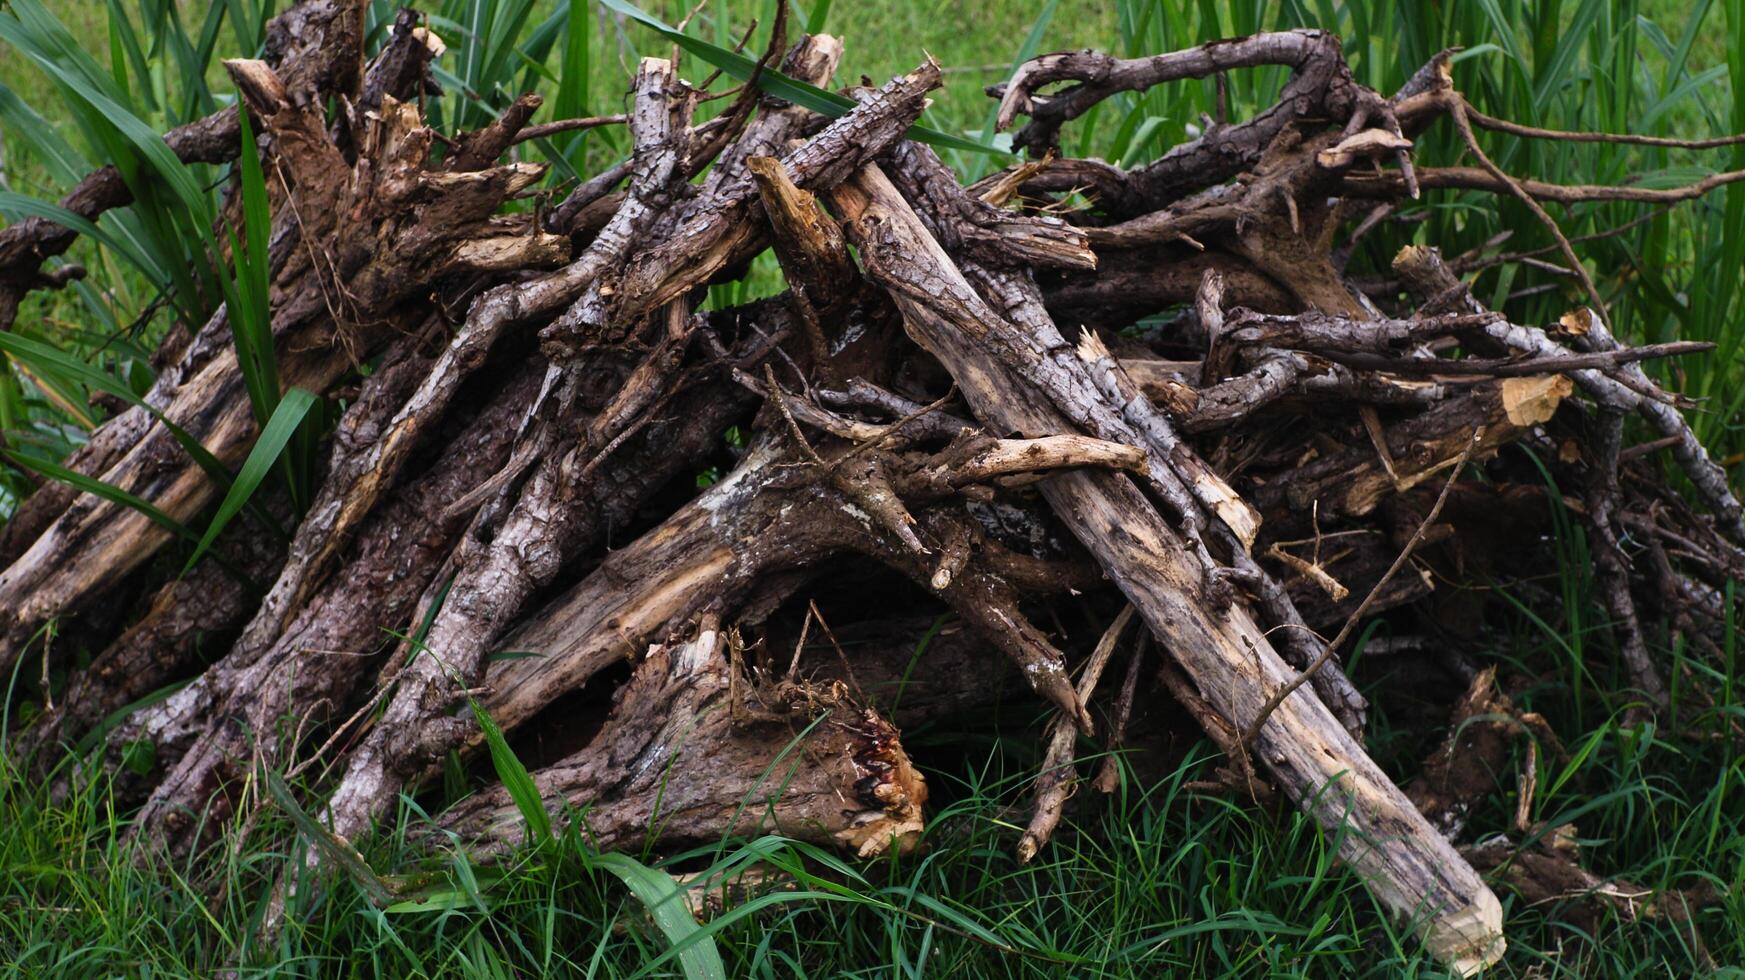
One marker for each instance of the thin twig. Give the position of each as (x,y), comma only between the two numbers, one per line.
(567,125)
(829,634)
(1474,178)
(781,401)
(1457,107)
(1108,774)
(1517,367)
(892,429)
(1351,621)
(1568,136)
(1058,778)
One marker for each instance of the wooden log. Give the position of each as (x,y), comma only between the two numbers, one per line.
(295,666)
(693,750)
(707,553)
(1410,868)
(1353,481)
(387,259)
(188,617)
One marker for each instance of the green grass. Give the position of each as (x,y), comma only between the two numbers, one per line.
(1153,880)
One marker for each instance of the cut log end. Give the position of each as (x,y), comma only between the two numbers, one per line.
(1470,940)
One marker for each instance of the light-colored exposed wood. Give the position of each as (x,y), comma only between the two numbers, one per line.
(1409,867)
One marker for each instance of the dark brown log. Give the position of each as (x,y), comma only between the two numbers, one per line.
(190,617)
(303,661)
(1129,285)
(677,754)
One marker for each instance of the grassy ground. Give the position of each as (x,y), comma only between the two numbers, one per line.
(1153,880)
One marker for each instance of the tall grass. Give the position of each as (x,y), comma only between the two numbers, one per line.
(167,235)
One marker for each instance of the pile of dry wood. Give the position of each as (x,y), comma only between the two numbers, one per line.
(947,390)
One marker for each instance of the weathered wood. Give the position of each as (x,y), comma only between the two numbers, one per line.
(1320,84)
(95,540)
(1355,480)
(1409,867)
(299,663)
(681,751)
(502,558)
(765,518)
(189,618)
(1627,389)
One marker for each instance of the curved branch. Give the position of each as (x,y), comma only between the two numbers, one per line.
(1390,184)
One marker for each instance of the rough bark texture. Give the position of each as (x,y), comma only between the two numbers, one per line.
(944,407)
(1412,870)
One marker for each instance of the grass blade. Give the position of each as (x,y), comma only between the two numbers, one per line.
(122,35)
(515,777)
(17,116)
(245,294)
(107,491)
(143,138)
(169,203)
(14,206)
(665,901)
(337,851)
(39,354)
(261,459)
(821,13)
(828,104)
(575,64)
(58,393)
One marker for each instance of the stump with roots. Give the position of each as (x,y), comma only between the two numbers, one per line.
(942,407)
